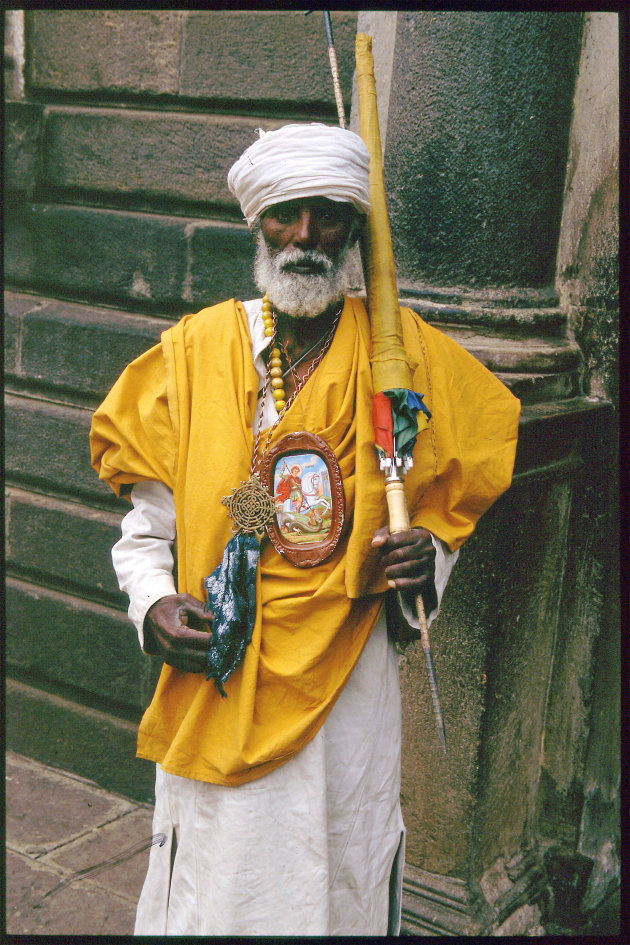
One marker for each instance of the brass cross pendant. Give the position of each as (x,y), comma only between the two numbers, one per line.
(250,507)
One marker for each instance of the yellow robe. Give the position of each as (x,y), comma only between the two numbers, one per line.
(183,413)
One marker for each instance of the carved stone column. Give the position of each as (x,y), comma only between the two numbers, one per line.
(478,112)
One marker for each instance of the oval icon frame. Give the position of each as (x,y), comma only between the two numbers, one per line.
(324,505)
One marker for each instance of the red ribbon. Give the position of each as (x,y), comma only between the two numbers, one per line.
(383,424)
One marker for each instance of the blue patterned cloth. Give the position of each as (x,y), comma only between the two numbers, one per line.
(232,598)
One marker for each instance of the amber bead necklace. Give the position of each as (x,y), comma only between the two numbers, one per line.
(275,372)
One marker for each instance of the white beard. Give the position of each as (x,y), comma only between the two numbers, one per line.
(296,293)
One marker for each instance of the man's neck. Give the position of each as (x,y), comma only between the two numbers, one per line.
(299,333)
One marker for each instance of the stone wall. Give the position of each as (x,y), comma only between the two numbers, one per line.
(122,146)
(477,200)
(588,281)
(500,160)
(120,128)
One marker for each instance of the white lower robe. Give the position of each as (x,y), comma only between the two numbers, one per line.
(315,847)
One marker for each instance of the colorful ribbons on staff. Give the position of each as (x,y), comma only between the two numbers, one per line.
(399,415)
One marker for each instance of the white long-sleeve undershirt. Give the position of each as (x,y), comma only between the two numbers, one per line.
(143,557)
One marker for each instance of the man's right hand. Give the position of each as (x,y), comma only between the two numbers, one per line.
(169,632)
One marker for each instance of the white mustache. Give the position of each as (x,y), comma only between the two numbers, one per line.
(292,257)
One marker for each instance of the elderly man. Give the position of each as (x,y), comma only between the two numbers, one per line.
(276,732)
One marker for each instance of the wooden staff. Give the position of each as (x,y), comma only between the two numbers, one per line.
(390,365)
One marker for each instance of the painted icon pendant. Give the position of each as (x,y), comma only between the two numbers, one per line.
(303,480)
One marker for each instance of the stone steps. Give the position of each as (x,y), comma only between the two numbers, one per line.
(189,57)
(136,154)
(74,651)
(151,262)
(76,350)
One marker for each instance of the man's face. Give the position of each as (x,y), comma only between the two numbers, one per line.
(302,261)
(312,223)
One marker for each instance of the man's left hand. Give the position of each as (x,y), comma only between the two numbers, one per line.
(409,562)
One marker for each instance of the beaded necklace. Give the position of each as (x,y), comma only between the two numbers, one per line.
(274,367)
(250,505)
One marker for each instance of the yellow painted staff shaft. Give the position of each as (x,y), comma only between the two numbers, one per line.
(390,365)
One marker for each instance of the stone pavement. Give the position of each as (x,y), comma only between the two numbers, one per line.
(76,854)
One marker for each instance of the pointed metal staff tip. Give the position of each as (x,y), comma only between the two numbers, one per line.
(437,711)
(334,70)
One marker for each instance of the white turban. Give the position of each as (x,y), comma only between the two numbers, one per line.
(309,160)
